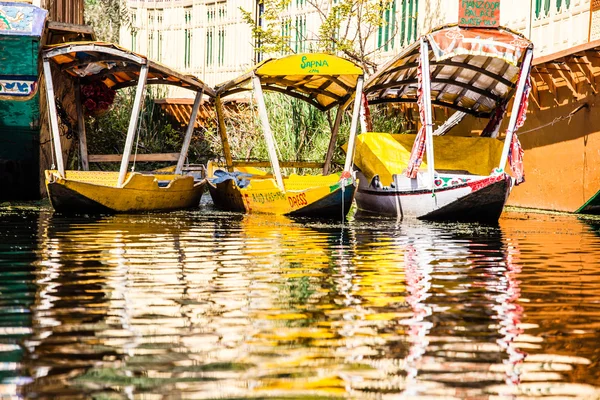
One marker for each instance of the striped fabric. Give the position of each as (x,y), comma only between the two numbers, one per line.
(418,149)
(516,152)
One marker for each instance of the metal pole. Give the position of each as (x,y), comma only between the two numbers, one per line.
(83,151)
(264,119)
(426,82)
(223,133)
(516,104)
(355,113)
(53,118)
(135,113)
(332,141)
(189,132)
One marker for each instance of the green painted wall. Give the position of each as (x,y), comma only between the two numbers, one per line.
(19,122)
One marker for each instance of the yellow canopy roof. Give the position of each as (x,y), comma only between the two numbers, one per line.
(115,66)
(323,80)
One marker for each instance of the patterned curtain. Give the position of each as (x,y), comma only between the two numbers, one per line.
(515,151)
(366,113)
(418,149)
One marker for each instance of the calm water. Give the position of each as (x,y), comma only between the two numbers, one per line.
(213,305)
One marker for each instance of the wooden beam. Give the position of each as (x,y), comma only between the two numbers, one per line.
(586,69)
(547,78)
(568,78)
(333,140)
(132,129)
(83,151)
(53,118)
(283,164)
(223,133)
(169,157)
(267,133)
(353,124)
(189,132)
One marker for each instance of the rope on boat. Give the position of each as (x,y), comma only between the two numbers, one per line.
(558,119)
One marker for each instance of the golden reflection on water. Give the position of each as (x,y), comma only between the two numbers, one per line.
(207,305)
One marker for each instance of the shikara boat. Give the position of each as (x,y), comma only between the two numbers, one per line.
(322,80)
(433,176)
(89,63)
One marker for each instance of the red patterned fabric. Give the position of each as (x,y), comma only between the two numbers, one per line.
(516,152)
(493,125)
(418,149)
(515,159)
(367,113)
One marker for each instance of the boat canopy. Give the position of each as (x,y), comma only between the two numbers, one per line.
(116,67)
(323,80)
(473,70)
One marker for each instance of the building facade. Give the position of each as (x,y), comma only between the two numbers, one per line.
(211,39)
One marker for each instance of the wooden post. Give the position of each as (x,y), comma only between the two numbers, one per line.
(352,135)
(333,140)
(426,82)
(189,132)
(223,133)
(131,131)
(83,151)
(264,119)
(515,108)
(53,118)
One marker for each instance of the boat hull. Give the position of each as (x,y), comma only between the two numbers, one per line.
(474,201)
(329,201)
(97,192)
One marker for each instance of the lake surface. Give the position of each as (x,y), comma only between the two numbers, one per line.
(206,304)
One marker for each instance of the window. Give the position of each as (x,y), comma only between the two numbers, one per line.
(259,21)
(387,27)
(216,15)
(286,35)
(300,25)
(151,34)
(408,22)
(538,8)
(559,5)
(187,36)
(133,30)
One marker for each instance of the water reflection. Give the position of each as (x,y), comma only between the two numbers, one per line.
(204,304)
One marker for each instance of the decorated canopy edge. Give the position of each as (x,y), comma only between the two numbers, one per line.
(85,53)
(296,68)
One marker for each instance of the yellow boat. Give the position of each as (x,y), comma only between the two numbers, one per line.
(322,80)
(123,191)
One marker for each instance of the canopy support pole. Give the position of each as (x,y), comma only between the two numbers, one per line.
(135,113)
(355,115)
(50,97)
(516,104)
(450,123)
(223,133)
(262,111)
(426,82)
(83,151)
(188,134)
(333,140)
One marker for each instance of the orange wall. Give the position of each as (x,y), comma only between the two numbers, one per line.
(562,161)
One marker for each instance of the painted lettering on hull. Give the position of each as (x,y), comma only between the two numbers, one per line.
(298,200)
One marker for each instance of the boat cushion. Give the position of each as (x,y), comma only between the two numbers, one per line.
(386,154)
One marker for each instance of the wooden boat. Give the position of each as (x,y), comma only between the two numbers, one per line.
(122,191)
(475,71)
(322,80)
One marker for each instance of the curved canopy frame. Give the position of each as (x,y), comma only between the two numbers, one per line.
(322,80)
(473,70)
(117,68)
